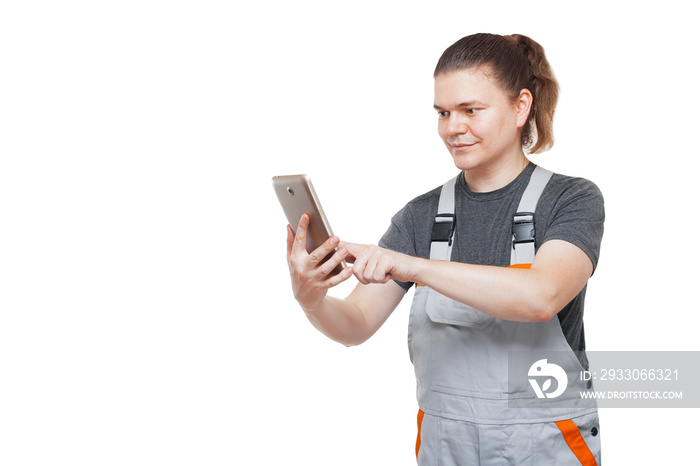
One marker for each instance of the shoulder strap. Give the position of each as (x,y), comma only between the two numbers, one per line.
(444,224)
(523,250)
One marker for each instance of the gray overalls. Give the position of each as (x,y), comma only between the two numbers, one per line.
(475,407)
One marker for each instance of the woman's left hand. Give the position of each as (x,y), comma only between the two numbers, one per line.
(372,264)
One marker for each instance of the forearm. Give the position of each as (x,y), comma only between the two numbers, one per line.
(340,320)
(353,320)
(506,293)
(525,295)
(559,272)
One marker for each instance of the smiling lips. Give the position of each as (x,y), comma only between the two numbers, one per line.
(458,146)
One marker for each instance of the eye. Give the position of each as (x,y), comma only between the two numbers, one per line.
(472,111)
(443,114)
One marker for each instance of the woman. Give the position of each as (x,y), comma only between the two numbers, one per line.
(501,256)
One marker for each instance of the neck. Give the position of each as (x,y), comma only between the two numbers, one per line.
(495,176)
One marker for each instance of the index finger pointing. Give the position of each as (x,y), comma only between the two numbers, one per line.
(352,248)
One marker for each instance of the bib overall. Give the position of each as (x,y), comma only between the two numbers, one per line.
(473,411)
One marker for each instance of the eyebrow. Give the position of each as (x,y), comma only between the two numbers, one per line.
(471,103)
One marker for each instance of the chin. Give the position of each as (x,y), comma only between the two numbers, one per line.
(465,161)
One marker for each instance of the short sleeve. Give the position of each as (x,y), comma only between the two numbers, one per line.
(397,237)
(578,216)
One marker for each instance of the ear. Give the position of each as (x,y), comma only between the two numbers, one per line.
(523,105)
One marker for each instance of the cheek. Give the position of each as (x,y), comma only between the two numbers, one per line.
(494,128)
(442,130)
(481,128)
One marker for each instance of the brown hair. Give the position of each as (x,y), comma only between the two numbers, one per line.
(517,62)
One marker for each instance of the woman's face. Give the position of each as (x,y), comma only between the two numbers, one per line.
(479,124)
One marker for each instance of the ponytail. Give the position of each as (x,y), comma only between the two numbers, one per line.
(545,91)
(518,63)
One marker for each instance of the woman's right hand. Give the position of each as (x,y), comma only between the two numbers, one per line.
(311,279)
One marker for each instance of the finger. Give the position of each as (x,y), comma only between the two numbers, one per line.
(377,270)
(369,268)
(327,267)
(300,237)
(359,277)
(353,251)
(339,278)
(358,268)
(382,271)
(351,247)
(290,241)
(323,250)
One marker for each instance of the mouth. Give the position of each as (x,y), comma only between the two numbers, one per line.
(462,146)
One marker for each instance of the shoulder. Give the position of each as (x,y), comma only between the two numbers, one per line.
(409,224)
(431,196)
(572,209)
(565,192)
(570,186)
(419,207)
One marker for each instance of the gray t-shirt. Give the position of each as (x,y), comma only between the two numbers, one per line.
(570,209)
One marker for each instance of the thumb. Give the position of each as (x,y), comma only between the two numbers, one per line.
(290,241)
(353,250)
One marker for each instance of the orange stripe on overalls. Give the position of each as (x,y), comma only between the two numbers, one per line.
(576,443)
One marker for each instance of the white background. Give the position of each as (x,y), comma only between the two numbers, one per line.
(145,310)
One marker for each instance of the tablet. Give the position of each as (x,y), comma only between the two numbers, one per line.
(297,196)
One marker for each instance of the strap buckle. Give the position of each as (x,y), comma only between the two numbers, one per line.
(444,229)
(523,228)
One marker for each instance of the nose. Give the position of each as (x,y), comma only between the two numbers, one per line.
(456,126)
